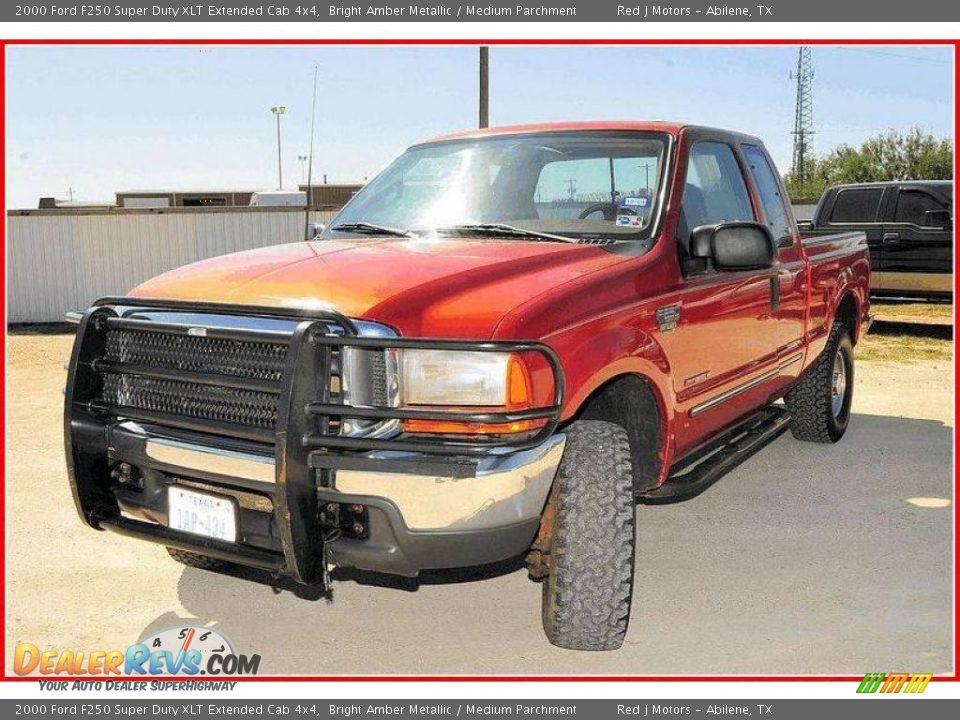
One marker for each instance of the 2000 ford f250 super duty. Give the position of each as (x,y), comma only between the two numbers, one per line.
(498,346)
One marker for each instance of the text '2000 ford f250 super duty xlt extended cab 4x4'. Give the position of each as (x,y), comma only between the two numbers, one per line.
(504,341)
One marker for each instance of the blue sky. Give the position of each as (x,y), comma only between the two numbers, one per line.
(102,119)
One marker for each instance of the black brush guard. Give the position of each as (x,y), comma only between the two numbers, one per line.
(305,438)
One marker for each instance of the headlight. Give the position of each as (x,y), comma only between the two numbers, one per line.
(485,381)
(447,377)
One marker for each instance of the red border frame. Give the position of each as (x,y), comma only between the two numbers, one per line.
(955,43)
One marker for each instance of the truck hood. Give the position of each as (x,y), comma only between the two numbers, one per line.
(456,288)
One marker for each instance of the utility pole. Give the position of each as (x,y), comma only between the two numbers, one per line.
(803,116)
(646,176)
(279,110)
(484,86)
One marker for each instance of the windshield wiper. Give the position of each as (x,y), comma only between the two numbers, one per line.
(500,230)
(365,228)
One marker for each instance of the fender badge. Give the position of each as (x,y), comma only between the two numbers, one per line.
(668,317)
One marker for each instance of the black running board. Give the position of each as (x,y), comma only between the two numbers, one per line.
(694,474)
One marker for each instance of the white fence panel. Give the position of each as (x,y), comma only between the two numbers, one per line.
(58,262)
(804,211)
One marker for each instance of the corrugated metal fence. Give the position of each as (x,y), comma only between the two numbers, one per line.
(59,261)
(804,211)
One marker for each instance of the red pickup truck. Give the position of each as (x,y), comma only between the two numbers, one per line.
(500,345)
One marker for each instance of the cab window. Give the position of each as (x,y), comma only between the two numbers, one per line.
(856,205)
(771,198)
(913,206)
(715,191)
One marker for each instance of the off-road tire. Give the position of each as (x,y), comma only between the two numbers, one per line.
(195,560)
(812,418)
(587,594)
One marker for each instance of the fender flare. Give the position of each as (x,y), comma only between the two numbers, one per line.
(651,366)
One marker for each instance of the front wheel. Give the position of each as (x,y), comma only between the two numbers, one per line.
(589,585)
(819,405)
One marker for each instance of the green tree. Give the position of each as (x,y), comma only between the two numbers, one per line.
(916,155)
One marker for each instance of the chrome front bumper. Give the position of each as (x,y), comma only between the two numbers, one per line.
(504,490)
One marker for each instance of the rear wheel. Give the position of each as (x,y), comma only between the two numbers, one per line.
(820,403)
(589,560)
(196,560)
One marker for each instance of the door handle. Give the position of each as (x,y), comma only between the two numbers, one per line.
(891,238)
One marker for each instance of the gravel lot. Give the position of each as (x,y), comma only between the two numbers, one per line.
(806,559)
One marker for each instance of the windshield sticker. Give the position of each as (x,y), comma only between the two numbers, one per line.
(631,211)
(628,220)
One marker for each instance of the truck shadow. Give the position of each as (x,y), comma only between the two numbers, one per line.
(281,584)
(288,616)
(916,330)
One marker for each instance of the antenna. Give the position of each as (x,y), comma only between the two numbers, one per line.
(803,118)
(313,120)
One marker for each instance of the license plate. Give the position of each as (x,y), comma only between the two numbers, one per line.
(201,514)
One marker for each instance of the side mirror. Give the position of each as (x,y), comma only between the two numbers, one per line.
(314,230)
(734,245)
(937,219)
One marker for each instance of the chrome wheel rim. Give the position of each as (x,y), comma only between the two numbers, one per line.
(838,388)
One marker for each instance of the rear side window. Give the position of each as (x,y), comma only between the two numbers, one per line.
(913,205)
(770,195)
(856,205)
(715,191)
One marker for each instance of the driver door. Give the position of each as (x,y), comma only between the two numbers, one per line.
(723,348)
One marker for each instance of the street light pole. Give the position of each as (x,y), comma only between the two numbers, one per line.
(279,110)
(303,167)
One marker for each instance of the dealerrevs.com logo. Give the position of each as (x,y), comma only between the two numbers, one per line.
(894,682)
(188,651)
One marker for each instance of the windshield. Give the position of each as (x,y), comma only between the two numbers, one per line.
(574,184)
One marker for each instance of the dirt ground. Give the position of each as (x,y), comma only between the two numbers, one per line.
(806,559)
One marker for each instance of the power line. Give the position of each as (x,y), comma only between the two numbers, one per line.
(900,56)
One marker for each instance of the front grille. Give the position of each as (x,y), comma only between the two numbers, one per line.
(228,359)
(192,400)
(163,372)
(238,358)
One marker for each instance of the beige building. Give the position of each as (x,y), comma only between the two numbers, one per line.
(325,197)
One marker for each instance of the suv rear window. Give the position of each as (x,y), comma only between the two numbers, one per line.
(856,205)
